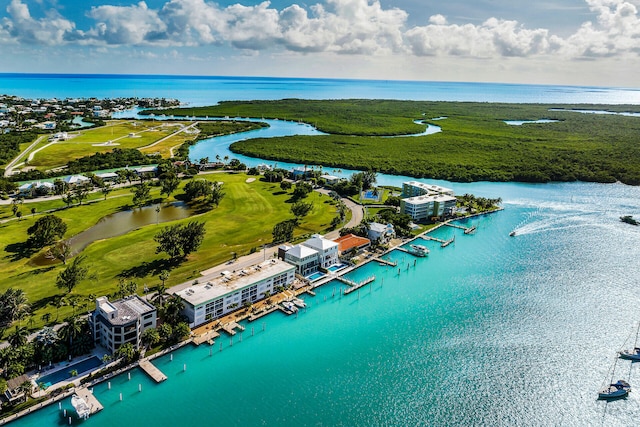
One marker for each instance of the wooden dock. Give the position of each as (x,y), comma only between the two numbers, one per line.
(231,327)
(92,402)
(443,243)
(387,262)
(152,371)
(355,286)
(470,230)
(205,337)
(259,314)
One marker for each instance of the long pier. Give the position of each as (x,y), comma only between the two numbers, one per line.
(387,262)
(355,286)
(151,370)
(443,243)
(92,402)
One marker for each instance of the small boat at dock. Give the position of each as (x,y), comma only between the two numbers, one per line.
(299,303)
(289,306)
(418,250)
(616,390)
(81,407)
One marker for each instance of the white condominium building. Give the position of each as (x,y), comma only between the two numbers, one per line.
(219,294)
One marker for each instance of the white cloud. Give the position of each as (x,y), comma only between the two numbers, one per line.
(338,26)
(21,27)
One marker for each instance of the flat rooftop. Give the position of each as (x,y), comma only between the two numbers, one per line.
(214,286)
(420,200)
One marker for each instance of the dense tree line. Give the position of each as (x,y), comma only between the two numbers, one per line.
(117,158)
(10,144)
(475,144)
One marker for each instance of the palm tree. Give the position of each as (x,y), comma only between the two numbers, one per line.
(26,388)
(71,330)
(172,309)
(126,352)
(58,302)
(19,337)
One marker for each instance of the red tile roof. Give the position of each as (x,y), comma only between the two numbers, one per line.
(350,241)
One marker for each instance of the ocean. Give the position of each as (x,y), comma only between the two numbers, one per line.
(491,330)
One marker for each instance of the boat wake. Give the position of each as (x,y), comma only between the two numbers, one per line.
(542,222)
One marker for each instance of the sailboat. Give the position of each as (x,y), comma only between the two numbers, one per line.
(632,354)
(616,390)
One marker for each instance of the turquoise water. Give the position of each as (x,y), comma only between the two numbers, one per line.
(488,330)
(491,330)
(64,373)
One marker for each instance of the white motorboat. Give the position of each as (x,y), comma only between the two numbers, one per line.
(82,409)
(289,306)
(419,250)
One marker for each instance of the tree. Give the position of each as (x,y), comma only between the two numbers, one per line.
(141,194)
(60,187)
(197,188)
(105,189)
(19,215)
(216,194)
(45,231)
(169,184)
(13,306)
(181,331)
(61,251)
(33,211)
(301,190)
(178,241)
(165,331)
(126,288)
(301,209)
(369,177)
(68,199)
(150,337)
(80,193)
(127,353)
(283,231)
(285,185)
(71,330)
(72,275)
(18,338)
(172,311)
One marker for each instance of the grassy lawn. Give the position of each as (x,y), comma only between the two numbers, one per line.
(244,220)
(122,134)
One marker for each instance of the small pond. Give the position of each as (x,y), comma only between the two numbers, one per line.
(524,122)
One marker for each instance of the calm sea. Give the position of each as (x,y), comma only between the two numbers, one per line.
(491,330)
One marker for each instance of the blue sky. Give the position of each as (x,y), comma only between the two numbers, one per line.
(582,42)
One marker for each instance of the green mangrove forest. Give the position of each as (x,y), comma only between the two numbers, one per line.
(475,143)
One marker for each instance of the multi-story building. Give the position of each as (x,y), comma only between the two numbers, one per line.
(216,295)
(327,250)
(424,201)
(122,321)
(304,259)
(311,255)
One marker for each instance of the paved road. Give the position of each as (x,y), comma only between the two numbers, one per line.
(13,162)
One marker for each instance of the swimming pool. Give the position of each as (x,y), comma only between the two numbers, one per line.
(64,373)
(371,195)
(336,267)
(315,276)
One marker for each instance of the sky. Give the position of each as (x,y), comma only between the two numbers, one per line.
(575,42)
